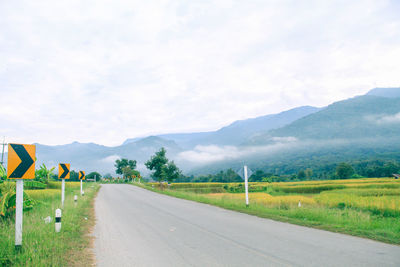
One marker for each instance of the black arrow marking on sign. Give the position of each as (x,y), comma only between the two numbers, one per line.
(66,171)
(81,175)
(26,161)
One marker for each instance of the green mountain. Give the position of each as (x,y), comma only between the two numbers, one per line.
(362,130)
(360,117)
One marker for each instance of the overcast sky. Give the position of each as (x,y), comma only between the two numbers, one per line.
(104,71)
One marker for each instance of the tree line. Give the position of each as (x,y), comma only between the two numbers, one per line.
(343,170)
(162,169)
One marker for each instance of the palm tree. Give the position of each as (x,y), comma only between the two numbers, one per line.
(3,173)
(46,172)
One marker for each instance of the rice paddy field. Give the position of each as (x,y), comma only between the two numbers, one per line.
(364,207)
(41,245)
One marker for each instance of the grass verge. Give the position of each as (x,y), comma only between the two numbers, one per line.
(342,220)
(41,245)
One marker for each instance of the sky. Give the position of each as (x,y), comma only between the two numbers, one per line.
(104,71)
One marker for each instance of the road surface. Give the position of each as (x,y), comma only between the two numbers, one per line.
(136,227)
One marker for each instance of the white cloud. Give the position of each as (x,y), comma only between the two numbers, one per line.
(284,139)
(213,153)
(202,155)
(110,159)
(207,154)
(385,119)
(103,71)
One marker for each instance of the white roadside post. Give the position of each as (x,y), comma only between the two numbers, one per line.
(58,220)
(246,185)
(18,212)
(20,166)
(81,189)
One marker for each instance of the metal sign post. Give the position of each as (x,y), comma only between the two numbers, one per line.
(246,185)
(63,173)
(2,153)
(21,165)
(81,177)
(245,172)
(19,203)
(62,192)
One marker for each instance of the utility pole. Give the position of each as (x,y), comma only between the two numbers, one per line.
(2,153)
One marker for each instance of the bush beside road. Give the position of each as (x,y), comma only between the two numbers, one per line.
(41,245)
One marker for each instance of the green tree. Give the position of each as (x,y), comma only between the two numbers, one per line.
(344,170)
(258,176)
(107,176)
(74,176)
(163,169)
(301,175)
(308,172)
(121,163)
(390,168)
(129,173)
(172,172)
(44,173)
(3,173)
(93,175)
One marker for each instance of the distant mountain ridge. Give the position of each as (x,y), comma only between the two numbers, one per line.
(371,120)
(359,117)
(94,157)
(90,156)
(238,131)
(393,92)
(359,128)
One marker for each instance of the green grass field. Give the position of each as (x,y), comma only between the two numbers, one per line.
(41,245)
(363,207)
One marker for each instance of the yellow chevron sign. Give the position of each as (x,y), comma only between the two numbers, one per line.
(63,171)
(21,161)
(82,175)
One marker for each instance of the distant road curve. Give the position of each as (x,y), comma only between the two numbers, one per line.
(136,227)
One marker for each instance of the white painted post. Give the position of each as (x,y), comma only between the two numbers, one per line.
(81,189)
(58,220)
(246,185)
(75,198)
(19,202)
(62,192)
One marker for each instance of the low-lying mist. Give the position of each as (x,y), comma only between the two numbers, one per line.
(212,158)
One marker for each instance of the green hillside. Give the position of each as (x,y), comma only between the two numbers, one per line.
(363,131)
(359,117)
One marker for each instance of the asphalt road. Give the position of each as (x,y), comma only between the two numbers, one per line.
(136,227)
